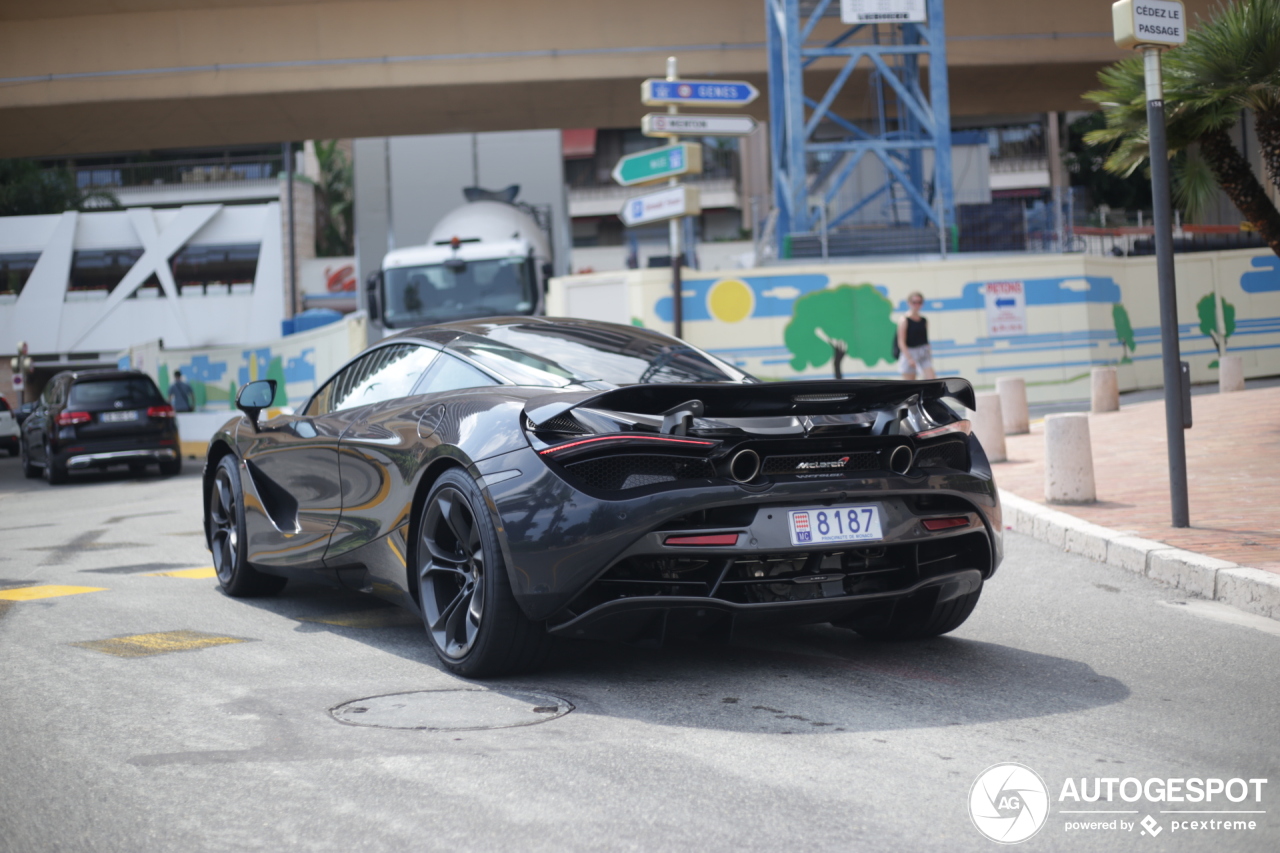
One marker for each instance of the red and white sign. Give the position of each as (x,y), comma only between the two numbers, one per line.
(1006,303)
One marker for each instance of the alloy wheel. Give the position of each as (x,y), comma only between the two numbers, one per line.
(452,574)
(225,539)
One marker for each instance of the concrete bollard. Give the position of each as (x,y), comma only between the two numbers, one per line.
(1068,460)
(1013,403)
(1106,390)
(988,426)
(1230,374)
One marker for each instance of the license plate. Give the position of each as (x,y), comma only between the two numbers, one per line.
(834,524)
(114,417)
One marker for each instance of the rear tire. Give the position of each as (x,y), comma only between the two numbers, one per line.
(471,616)
(55,473)
(227,539)
(917,619)
(29,470)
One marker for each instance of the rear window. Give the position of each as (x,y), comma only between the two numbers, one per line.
(129,392)
(4,405)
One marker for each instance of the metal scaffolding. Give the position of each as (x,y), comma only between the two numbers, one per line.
(815,150)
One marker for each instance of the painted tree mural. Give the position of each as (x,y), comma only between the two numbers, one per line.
(1209,322)
(849,319)
(1124,331)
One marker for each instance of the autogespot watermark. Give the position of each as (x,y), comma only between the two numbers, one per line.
(1010,803)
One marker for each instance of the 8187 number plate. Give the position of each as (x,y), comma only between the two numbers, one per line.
(834,524)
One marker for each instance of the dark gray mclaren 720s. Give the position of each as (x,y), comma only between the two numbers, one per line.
(517,479)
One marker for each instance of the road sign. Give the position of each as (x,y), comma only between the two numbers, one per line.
(18,381)
(665,204)
(666,124)
(658,164)
(882,11)
(656,92)
(1161,23)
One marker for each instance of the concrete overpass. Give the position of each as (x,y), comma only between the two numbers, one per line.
(79,76)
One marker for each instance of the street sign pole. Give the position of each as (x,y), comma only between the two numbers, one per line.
(1154,25)
(1163,221)
(673,235)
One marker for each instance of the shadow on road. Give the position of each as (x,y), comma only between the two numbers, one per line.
(795,680)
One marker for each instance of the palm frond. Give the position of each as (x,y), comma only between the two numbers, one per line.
(1194,186)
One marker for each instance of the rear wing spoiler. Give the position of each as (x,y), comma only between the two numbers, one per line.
(763,399)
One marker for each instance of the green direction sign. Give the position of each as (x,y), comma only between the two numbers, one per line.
(658,164)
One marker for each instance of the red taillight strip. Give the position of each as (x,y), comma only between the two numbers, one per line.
(165,411)
(73,418)
(661,439)
(712,540)
(959,426)
(945,523)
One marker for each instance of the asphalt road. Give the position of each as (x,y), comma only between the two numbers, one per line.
(795,739)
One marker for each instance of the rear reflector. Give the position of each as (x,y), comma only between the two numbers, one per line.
(717,540)
(945,523)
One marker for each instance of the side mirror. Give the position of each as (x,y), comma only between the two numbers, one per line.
(548,270)
(254,397)
(373,295)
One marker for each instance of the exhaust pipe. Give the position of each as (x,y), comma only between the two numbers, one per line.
(744,466)
(900,459)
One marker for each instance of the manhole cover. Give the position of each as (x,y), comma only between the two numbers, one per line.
(453,710)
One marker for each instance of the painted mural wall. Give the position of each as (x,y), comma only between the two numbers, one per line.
(298,363)
(1047,318)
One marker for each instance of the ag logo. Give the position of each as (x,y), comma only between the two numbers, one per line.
(1008,803)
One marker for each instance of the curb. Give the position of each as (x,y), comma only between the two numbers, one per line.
(1252,590)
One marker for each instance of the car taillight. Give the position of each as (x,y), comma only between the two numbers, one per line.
(963,427)
(707,540)
(73,418)
(945,523)
(165,411)
(628,438)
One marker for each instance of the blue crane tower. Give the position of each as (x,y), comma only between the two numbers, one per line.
(815,150)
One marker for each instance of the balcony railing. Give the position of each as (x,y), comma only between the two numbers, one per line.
(207,171)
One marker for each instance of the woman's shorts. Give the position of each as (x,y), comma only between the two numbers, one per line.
(921,355)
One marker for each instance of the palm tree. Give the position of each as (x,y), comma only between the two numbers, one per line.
(27,189)
(335,207)
(1229,64)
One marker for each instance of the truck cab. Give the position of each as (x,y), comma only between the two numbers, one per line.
(484,259)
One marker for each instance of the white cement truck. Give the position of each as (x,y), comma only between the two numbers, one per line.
(486,258)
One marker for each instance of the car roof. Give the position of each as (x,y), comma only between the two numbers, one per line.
(444,333)
(102,373)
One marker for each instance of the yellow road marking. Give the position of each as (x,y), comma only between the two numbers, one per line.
(206,572)
(143,645)
(378,617)
(30,593)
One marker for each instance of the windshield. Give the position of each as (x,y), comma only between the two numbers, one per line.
(124,392)
(417,296)
(617,355)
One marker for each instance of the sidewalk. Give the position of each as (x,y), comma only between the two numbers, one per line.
(1233,468)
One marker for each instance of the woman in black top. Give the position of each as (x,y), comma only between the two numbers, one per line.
(913,342)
